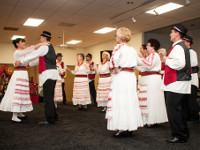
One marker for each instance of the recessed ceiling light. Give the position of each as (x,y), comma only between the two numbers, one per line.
(105,30)
(164,8)
(33,22)
(17,36)
(74,42)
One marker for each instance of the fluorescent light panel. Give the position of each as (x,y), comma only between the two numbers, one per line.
(74,42)
(164,8)
(105,30)
(17,36)
(33,22)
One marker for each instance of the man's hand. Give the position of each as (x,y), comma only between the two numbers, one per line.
(164,59)
(17,63)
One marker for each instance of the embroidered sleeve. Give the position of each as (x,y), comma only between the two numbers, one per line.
(147,61)
(115,56)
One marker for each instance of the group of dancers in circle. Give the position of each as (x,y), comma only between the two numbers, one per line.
(160,94)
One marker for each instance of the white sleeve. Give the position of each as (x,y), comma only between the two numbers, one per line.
(147,62)
(176,59)
(34,62)
(193,58)
(42,51)
(116,58)
(27,50)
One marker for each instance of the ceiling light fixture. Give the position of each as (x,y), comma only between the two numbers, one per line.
(164,8)
(18,36)
(133,19)
(33,22)
(105,30)
(74,42)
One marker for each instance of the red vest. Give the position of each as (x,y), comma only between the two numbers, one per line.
(184,74)
(62,66)
(91,76)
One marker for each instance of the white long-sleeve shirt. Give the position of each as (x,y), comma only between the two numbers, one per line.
(177,61)
(61,70)
(150,63)
(123,56)
(104,68)
(47,74)
(194,62)
(82,69)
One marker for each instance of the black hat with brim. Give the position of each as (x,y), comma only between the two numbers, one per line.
(188,38)
(46,34)
(59,55)
(180,28)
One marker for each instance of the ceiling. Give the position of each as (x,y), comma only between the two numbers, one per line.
(88,16)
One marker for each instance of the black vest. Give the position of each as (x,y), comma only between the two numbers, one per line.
(185,73)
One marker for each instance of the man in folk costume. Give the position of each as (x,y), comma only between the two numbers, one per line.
(48,75)
(177,85)
(61,69)
(193,104)
(91,76)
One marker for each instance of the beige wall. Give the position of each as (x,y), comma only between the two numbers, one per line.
(136,42)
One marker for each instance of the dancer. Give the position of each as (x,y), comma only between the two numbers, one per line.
(151,97)
(193,104)
(91,76)
(123,112)
(61,69)
(48,75)
(177,85)
(81,94)
(17,97)
(104,81)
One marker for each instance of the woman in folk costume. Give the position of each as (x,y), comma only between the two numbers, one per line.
(104,81)
(151,97)
(123,113)
(17,97)
(81,94)
(58,97)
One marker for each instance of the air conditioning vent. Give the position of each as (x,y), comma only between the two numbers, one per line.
(11,28)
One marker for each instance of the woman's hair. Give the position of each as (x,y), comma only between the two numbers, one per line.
(154,43)
(82,55)
(162,51)
(107,54)
(17,41)
(124,34)
(144,46)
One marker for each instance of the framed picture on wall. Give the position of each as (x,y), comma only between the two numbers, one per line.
(109,51)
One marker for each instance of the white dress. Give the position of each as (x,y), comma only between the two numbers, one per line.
(123,111)
(17,97)
(151,97)
(58,97)
(81,94)
(104,84)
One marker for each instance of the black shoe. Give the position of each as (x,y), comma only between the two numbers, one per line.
(80,108)
(176,140)
(121,134)
(85,109)
(65,103)
(45,123)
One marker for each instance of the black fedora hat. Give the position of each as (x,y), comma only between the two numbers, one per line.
(180,28)
(59,55)
(46,34)
(188,38)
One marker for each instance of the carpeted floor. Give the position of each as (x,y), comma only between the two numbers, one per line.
(77,130)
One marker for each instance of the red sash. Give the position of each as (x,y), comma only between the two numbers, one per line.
(170,75)
(62,66)
(91,76)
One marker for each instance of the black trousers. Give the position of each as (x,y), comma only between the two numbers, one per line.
(49,107)
(63,92)
(193,104)
(177,110)
(93,90)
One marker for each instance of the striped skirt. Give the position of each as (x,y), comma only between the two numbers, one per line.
(81,94)
(103,91)
(17,96)
(58,97)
